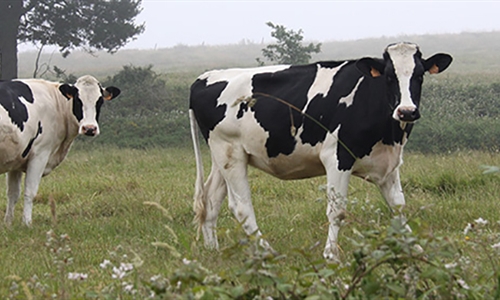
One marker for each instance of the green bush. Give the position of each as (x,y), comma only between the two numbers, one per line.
(151,110)
(458,115)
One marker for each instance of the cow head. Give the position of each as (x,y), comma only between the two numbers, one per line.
(403,70)
(88,96)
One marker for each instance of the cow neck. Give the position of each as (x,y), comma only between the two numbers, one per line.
(70,127)
(396,132)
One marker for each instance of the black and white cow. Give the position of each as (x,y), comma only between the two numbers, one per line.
(338,118)
(38,122)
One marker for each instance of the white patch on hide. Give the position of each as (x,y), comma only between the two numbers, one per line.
(349,99)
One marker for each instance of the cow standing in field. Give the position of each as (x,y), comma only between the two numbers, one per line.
(338,118)
(38,122)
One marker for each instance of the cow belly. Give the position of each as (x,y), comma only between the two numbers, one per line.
(298,165)
(10,149)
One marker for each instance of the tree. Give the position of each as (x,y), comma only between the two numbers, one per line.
(289,48)
(69,24)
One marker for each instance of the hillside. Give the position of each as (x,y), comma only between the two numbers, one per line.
(472,52)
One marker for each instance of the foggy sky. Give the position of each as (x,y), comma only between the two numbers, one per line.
(170,23)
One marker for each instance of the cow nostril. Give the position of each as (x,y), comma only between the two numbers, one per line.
(415,114)
(89,130)
(408,114)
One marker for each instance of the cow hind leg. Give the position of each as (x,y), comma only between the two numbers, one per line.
(13,192)
(215,191)
(233,165)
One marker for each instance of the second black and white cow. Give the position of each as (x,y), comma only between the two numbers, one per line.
(38,122)
(338,118)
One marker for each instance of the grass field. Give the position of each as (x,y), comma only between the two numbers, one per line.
(100,214)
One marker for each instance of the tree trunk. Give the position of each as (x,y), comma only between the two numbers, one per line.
(10,14)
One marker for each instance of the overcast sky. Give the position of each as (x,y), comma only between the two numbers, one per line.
(169,23)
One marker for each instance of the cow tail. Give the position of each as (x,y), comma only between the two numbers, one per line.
(199,198)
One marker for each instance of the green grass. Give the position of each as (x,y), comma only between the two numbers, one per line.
(100,195)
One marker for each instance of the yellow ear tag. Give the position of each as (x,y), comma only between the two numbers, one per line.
(375,73)
(69,96)
(434,69)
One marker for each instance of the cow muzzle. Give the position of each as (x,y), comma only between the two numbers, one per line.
(406,114)
(89,130)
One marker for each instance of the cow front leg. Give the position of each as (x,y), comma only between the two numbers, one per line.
(393,193)
(34,174)
(13,192)
(337,186)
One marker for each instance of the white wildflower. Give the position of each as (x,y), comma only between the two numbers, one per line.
(481,221)
(77,276)
(128,287)
(467,228)
(496,246)
(463,284)
(118,273)
(450,265)
(186,261)
(126,267)
(407,278)
(212,279)
(104,264)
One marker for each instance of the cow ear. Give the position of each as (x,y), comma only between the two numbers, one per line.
(371,67)
(68,91)
(110,92)
(437,63)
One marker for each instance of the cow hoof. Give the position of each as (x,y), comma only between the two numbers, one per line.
(8,221)
(267,247)
(27,222)
(331,255)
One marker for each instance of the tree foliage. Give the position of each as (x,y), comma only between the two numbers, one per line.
(69,24)
(94,24)
(289,48)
